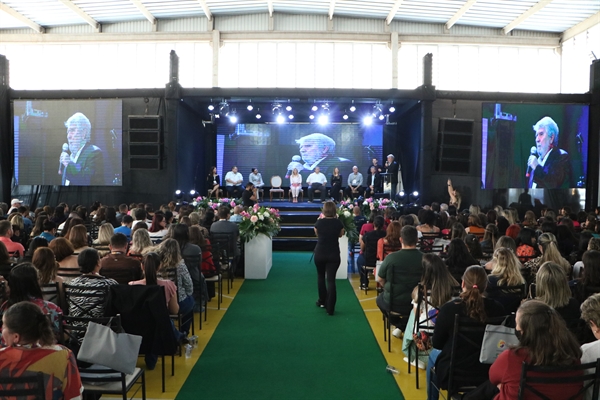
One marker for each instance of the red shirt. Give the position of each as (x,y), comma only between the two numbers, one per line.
(11,246)
(507,371)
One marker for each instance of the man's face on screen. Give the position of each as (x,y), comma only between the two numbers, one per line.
(75,137)
(310,152)
(543,141)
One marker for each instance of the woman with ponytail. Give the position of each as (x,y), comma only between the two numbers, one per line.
(548,247)
(471,305)
(30,348)
(151,264)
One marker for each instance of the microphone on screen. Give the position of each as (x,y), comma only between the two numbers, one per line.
(61,167)
(532,152)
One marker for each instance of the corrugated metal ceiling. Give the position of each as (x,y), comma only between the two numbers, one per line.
(557,16)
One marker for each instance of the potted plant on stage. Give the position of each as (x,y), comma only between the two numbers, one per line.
(258,226)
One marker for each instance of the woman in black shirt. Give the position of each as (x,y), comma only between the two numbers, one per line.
(327,255)
(213,181)
(336,184)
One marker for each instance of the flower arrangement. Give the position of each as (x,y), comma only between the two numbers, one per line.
(206,202)
(259,220)
(369,205)
(344,214)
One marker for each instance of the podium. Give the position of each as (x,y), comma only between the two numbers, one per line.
(387,183)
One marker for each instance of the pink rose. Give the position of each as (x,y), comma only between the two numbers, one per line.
(253,219)
(321,216)
(232,204)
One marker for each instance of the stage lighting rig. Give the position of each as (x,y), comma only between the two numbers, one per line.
(233,117)
(249,107)
(224,108)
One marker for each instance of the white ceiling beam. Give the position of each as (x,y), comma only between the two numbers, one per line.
(521,18)
(82,14)
(270,6)
(331,8)
(468,4)
(580,27)
(393,11)
(207,10)
(15,14)
(144,11)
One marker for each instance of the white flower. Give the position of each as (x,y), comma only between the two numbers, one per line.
(266,214)
(261,217)
(346,214)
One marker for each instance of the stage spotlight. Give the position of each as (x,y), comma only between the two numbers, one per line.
(345,116)
(381,117)
(249,107)
(414,197)
(224,108)
(178,194)
(291,116)
(401,193)
(288,108)
(258,116)
(280,119)
(193,193)
(352,107)
(377,110)
(311,116)
(368,120)
(276,107)
(211,107)
(323,119)
(233,117)
(314,108)
(392,108)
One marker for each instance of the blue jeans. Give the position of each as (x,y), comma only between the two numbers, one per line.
(186,309)
(432,391)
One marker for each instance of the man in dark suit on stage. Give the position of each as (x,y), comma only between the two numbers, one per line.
(392,169)
(85,165)
(374,182)
(551,169)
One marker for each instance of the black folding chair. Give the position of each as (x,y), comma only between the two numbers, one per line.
(465,353)
(22,386)
(509,296)
(227,244)
(53,292)
(85,301)
(171,274)
(425,325)
(587,374)
(98,380)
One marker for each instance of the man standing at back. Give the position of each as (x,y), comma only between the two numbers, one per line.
(399,273)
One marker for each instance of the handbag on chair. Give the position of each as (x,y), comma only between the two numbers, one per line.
(101,345)
(496,339)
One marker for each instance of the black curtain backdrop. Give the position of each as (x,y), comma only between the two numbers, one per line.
(6,147)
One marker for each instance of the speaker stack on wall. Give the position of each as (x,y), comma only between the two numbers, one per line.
(454,142)
(145,142)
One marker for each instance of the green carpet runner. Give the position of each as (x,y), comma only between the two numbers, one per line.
(274,343)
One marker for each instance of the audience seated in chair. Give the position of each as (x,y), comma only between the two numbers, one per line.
(117,265)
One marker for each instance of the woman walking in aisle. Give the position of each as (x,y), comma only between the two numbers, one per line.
(327,255)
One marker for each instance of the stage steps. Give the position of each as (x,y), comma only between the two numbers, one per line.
(297,223)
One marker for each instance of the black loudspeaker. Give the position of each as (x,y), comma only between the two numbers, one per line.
(454,141)
(145,142)
(595,76)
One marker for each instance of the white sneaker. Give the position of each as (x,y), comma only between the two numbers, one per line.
(397,333)
(420,364)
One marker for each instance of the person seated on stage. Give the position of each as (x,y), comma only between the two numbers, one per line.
(336,184)
(295,184)
(233,183)
(249,196)
(237,216)
(316,181)
(374,182)
(355,181)
(213,181)
(257,180)
(378,168)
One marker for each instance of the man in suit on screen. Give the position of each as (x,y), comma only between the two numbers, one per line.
(551,168)
(85,164)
